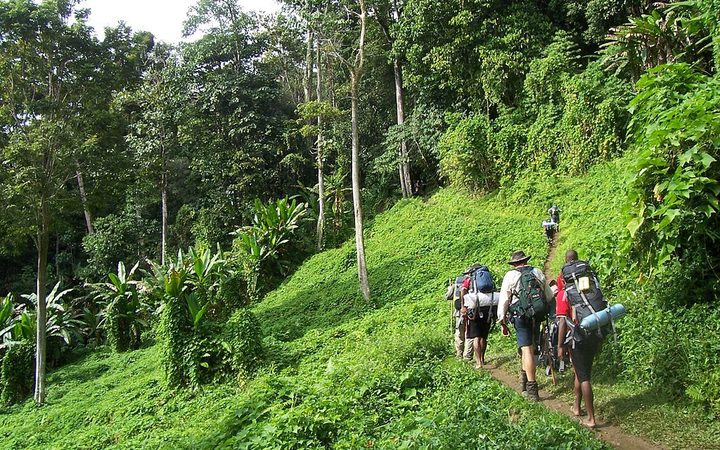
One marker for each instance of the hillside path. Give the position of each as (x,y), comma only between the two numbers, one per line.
(504,369)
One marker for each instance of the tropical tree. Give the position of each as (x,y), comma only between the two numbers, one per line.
(42,67)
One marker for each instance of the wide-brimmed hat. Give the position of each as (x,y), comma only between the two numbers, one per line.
(519,258)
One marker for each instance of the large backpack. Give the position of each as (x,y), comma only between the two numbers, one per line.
(532,302)
(482,280)
(456,292)
(583,293)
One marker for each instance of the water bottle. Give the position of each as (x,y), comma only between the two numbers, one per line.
(601,318)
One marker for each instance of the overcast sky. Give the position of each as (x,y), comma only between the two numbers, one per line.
(163,18)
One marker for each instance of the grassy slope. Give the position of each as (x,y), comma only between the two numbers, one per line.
(340,372)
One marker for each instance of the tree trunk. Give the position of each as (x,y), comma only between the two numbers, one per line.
(163,194)
(320,157)
(404,166)
(83,199)
(308,63)
(43,238)
(355,76)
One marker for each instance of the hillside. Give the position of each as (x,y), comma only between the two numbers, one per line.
(343,374)
(339,372)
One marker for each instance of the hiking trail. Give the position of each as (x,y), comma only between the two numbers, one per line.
(504,368)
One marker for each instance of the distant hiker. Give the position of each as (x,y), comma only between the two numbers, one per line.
(579,296)
(554,212)
(550,228)
(463,346)
(525,295)
(479,307)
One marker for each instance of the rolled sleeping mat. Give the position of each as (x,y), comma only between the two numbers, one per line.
(601,318)
(481,300)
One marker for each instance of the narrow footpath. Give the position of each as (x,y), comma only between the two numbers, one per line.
(505,369)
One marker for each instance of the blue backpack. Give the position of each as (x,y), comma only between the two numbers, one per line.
(482,280)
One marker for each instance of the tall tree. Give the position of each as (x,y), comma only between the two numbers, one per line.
(355,65)
(319,148)
(42,62)
(154,131)
(387,13)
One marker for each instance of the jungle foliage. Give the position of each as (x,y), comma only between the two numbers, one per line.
(233,152)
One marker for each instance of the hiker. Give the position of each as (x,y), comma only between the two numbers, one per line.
(554,212)
(570,309)
(524,295)
(550,228)
(478,299)
(463,345)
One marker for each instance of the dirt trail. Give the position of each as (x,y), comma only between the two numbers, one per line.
(505,369)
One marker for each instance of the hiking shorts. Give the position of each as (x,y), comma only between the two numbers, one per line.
(583,355)
(527,334)
(478,328)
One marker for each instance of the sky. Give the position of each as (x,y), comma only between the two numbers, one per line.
(163,18)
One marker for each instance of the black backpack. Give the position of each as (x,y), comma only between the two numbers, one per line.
(583,293)
(532,302)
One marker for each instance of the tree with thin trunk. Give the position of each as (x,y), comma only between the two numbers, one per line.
(387,12)
(154,130)
(320,151)
(42,62)
(355,66)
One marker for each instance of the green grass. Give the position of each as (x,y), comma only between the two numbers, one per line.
(344,374)
(340,373)
(592,222)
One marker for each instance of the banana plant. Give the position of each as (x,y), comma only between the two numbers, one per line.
(60,322)
(207,267)
(123,313)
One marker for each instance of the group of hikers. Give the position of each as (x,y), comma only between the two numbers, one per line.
(560,317)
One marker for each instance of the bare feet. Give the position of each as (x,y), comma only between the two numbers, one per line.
(590,424)
(577,412)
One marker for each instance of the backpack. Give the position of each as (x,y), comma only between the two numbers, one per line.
(482,280)
(532,303)
(456,292)
(583,293)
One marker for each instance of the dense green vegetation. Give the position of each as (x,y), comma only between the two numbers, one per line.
(337,371)
(176,217)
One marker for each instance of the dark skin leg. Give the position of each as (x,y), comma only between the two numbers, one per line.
(583,390)
(480,350)
(587,394)
(578,396)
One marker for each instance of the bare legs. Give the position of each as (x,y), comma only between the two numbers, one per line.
(528,362)
(583,390)
(480,346)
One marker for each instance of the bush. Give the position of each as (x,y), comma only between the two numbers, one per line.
(671,344)
(16,373)
(242,338)
(123,237)
(466,155)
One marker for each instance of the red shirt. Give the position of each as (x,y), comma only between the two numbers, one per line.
(562,307)
(466,284)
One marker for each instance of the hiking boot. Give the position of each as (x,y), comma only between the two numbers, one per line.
(523,382)
(532,391)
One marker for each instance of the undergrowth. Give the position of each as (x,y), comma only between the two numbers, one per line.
(340,373)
